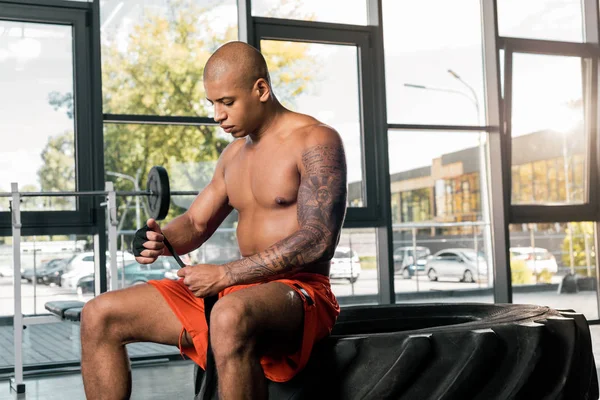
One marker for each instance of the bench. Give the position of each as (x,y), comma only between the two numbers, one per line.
(66,310)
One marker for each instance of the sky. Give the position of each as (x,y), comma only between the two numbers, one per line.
(423,39)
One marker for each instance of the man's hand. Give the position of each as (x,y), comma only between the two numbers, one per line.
(152,247)
(204,280)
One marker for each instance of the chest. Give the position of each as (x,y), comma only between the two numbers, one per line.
(267,178)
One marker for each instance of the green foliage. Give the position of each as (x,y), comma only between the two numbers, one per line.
(580,232)
(520,274)
(160,73)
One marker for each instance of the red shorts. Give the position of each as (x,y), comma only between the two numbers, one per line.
(319,318)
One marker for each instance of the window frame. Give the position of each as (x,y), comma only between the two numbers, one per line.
(350,35)
(86,218)
(588,53)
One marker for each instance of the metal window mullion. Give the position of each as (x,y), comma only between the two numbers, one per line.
(548,47)
(141,119)
(496,154)
(442,128)
(245,22)
(592,35)
(311,25)
(97,143)
(379,136)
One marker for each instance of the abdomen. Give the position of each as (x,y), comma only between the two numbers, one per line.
(260,229)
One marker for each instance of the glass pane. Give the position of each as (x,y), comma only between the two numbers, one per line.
(339,11)
(36,77)
(189,153)
(354,275)
(421,48)
(440,222)
(53,268)
(324,83)
(548,130)
(554,264)
(153,53)
(541,19)
(44,259)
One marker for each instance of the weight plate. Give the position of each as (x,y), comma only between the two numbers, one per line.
(159,199)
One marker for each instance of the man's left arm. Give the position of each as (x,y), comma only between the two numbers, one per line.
(321,207)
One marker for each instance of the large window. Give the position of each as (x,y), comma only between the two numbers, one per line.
(554,264)
(433,63)
(548,130)
(435,184)
(322,80)
(153,53)
(36,77)
(354,274)
(354,11)
(541,19)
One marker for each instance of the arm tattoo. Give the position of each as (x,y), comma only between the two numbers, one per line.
(321,210)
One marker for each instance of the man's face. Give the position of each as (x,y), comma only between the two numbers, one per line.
(236,105)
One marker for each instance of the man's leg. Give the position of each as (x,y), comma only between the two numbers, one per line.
(246,324)
(110,321)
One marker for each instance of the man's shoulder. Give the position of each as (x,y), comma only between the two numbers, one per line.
(312,132)
(232,148)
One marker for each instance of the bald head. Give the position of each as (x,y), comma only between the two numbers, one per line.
(239,59)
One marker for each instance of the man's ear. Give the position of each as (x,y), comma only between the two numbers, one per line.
(263,89)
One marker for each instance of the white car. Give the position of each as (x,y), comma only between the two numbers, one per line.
(83,265)
(461,263)
(345,264)
(537,259)
(6,271)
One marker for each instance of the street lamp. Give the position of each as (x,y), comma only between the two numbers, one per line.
(482,156)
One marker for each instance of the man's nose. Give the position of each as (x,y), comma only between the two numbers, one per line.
(219,114)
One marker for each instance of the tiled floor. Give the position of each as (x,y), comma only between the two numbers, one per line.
(173,380)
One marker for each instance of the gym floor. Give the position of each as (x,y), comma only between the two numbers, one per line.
(174,379)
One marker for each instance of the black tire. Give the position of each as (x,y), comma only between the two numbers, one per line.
(432,275)
(461,351)
(468,276)
(406,273)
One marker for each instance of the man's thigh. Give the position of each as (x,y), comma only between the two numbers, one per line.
(277,314)
(138,314)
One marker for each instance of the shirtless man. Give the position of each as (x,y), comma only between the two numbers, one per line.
(285,174)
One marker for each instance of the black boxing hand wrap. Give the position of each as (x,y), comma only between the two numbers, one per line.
(140,237)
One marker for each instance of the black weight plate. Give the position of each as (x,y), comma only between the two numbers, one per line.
(159,200)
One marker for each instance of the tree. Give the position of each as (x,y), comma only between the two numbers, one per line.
(584,249)
(160,73)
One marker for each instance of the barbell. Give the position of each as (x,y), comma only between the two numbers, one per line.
(158,193)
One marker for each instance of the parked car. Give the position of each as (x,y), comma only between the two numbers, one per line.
(6,271)
(83,265)
(135,273)
(404,261)
(54,274)
(458,263)
(536,259)
(40,271)
(345,264)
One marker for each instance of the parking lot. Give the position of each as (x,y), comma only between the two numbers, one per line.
(366,284)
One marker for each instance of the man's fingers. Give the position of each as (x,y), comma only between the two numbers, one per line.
(153,225)
(151,254)
(155,237)
(182,272)
(153,245)
(145,260)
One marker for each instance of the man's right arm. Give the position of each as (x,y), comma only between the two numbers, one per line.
(191,229)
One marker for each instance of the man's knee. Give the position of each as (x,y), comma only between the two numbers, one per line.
(232,327)
(98,318)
